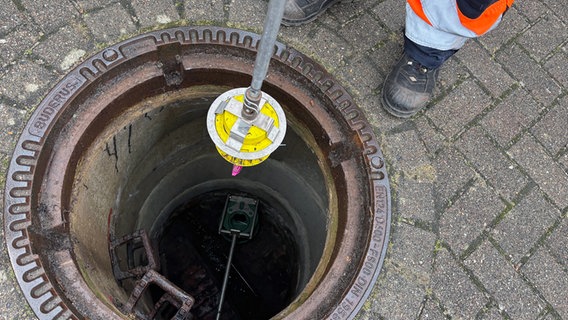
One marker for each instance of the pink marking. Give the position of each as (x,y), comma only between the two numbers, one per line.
(236,170)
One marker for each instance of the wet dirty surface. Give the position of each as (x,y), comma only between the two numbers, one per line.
(519,66)
(263,276)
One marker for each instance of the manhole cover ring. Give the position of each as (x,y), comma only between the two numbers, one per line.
(43,291)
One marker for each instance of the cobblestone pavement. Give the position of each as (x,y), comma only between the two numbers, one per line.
(479,179)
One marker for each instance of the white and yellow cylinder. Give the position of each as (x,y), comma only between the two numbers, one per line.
(240,141)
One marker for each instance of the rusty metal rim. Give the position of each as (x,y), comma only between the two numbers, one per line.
(40,289)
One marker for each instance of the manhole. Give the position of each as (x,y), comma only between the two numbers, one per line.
(115,191)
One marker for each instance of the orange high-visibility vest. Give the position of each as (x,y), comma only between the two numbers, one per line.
(479,24)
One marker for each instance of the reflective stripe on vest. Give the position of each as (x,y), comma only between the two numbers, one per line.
(480,24)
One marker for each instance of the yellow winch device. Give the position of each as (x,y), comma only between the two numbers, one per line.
(246,124)
(241,141)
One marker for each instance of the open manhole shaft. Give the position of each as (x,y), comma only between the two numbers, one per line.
(106,153)
(238,220)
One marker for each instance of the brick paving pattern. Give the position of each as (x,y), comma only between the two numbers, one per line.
(479,178)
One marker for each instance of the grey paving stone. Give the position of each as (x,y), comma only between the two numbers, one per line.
(65,48)
(330,53)
(557,66)
(548,316)
(399,294)
(525,224)
(459,108)
(11,45)
(454,289)
(154,12)
(12,305)
(363,33)
(388,53)
(531,9)
(51,14)
(377,116)
(513,295)
(512,24)
(396,296)
(248,14)
(415,199)
(432,312)
(28,82)
(366,313)
(550,279)
(558,242)
(110,23)
(543,37)
(414,249)
(4,163)
(564,161)
(432,139)
(510,117)
(541,167)
(491,314)
(12,122)
(501,172)
(391,13)
(469,216)
(485,69)
(10,16)
(450,73)
(88,5)
(558,8)
(360,75)
(302,38)
(346,11)
(452,174)
(297,37)
(552,130)
(330,21)
(409,156)
(529,74)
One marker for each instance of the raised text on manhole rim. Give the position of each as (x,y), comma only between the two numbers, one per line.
(49,108)
(372,259)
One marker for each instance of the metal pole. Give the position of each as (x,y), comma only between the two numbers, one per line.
(266,48)
(226,278)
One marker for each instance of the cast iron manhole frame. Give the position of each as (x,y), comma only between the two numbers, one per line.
(39,287)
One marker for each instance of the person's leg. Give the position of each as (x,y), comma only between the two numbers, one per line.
(410,84)
(434,31)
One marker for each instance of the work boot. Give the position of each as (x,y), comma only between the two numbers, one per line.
(408,87)
(297,12)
